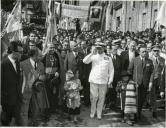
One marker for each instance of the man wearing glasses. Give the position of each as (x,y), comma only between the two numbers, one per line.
(159,65)
(11,84)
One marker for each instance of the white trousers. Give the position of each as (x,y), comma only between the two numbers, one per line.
(97,97)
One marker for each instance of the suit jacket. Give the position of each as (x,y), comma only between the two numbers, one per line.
(117,67)
(162,84)
(141,74)
(125,60)
(71,62)
(158,68)
(10,83)
(30,75)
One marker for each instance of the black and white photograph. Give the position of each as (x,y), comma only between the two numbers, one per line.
(83,63)
(95,13)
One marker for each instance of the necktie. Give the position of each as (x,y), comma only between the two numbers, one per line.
(114,60)
(142,62)
(156,61)
(35,65)
(17,66)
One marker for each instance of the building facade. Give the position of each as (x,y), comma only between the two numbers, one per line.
(132,15)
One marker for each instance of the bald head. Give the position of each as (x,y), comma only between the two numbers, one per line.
(132,45)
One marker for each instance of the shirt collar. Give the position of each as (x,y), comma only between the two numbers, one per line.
(32,62)
(11,59)
(155,57)
(142,58)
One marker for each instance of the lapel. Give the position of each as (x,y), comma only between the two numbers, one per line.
(127,56)
(31,68)
(11,65)
(144,65)
(139,63)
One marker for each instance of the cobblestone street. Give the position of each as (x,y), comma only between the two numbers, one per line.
(110,119)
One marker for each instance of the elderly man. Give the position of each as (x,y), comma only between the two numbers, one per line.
(128,56)
(52,68)
(101,75)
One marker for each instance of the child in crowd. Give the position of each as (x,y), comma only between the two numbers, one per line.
(72,87)
(127,90)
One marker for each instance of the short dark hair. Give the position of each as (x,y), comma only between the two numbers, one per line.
(32,52)
(33,32)
(142,46)
(13,46)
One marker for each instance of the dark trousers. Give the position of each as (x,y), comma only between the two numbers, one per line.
(8,112)
(52,97)
(86,91)
(111,96)
(154,93)
(142,91)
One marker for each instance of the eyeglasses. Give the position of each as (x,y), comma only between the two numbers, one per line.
(19,52)
(155,50)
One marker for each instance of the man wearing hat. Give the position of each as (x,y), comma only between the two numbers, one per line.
(112,94)
(159,65)
(101,76)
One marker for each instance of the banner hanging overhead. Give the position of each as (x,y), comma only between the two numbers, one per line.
(74,11)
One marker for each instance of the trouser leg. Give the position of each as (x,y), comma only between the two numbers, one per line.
(100,104)
(6,115)
(24,111)
(141,98)
(93,97)
(153,96)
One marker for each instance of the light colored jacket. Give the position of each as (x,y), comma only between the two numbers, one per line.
(102,71)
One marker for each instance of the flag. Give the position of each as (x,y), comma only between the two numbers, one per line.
(51,23)
(13,24)
(161,17)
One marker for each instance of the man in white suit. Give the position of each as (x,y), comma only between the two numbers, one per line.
(101,75)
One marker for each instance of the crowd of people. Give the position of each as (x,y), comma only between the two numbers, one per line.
(92,67)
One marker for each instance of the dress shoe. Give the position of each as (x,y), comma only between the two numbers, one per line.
(130,123)
(99,117)
(92,116)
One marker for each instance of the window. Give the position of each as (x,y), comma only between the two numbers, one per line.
(133,4)
(118,22)
(144,21)
(129,24)
(155,16)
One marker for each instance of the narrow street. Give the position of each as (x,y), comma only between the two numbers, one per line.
(110,119)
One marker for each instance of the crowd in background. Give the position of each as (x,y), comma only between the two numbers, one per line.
(39,84)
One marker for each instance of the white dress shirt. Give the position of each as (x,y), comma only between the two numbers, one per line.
(102,71)
(131,55)
(13,62)
(33,63)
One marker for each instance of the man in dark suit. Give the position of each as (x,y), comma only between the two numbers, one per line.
(112,94)
(141,68)
(11,84)
(128,56)
(72,59)
(159,65)
(84,76)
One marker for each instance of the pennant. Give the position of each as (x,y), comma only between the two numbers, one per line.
(13,24)
(161,17)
